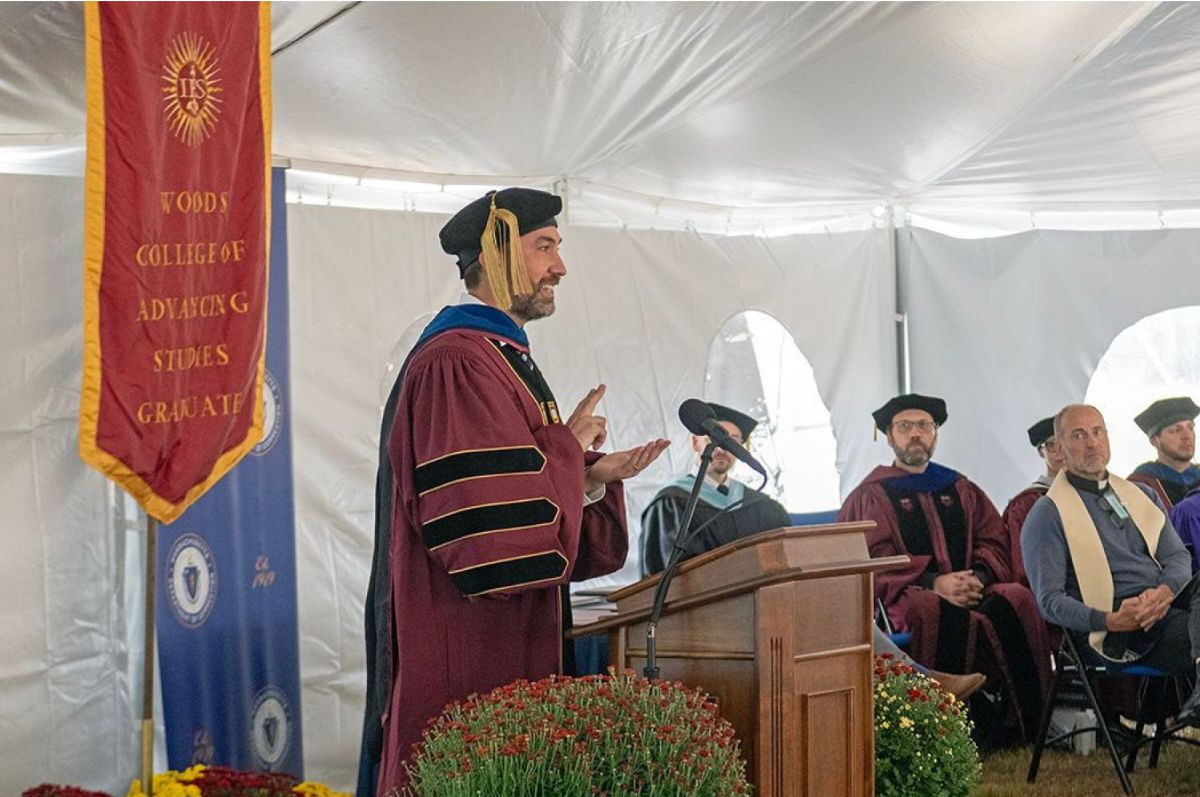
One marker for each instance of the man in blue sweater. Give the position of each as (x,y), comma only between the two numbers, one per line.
(1105,562)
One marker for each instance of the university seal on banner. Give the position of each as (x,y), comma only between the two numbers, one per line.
(270,727)
(191,580)
(272,414)
(191,88)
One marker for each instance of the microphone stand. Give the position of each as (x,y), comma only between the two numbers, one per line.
(682,537)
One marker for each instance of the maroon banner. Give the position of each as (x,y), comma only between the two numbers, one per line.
(175,244)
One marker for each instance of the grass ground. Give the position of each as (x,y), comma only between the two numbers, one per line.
(1065,774)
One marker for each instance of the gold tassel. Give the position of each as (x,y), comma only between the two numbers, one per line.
(502,260)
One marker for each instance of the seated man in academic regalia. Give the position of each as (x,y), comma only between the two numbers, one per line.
(956,596)
(1171,427)
(754,512)
(1170,424)
(757,513)
(1041,437)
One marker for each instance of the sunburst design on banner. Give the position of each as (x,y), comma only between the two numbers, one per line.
(192,88)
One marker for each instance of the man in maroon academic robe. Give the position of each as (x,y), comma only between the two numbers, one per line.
(956,595)
(1041,437)
(489,503)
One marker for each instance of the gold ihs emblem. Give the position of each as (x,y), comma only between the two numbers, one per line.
(191,88)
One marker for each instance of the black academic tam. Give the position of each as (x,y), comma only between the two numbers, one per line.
(936,407)
(1165,412)
(534,210)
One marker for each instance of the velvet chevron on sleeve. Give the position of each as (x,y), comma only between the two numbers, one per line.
(488,525)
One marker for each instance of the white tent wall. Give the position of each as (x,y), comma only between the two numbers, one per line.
(1009,330)
(637,310)
(70,674)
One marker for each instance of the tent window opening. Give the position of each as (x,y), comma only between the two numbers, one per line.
(1155,358)
(755,366)
(399,353)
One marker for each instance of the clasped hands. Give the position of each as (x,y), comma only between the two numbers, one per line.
(591,430)
(1141,611)
(962,588)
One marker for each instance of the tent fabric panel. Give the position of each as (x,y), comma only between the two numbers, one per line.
(1009,330)
(68,678)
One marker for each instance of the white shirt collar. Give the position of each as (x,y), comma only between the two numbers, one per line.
(708,477)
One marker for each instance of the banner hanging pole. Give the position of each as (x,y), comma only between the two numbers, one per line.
(148,659)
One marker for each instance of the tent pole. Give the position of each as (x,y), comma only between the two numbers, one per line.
(903,372)
(148,660)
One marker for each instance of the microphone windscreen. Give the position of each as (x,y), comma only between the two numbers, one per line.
(693,413)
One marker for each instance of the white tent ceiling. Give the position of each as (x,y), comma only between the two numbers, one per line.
(754,116)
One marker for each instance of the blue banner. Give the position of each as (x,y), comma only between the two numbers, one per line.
(228,643)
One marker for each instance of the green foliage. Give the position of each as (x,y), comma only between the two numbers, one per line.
(923,745)
(614,735)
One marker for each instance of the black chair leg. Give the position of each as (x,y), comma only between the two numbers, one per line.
(1140,727)
(1102,726)
(1160,720)
(1047,713)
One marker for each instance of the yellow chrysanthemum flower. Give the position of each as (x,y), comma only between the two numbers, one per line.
(311,789)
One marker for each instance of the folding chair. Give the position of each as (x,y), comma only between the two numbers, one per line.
(1085,666)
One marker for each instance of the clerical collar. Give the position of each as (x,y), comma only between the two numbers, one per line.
(1086,484)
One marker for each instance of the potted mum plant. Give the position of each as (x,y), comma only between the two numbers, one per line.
(55,790)
(923,744)
(618,735)
(205,781)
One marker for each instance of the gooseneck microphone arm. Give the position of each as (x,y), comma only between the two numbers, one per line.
(664,580)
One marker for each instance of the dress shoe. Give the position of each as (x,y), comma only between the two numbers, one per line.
(1189,712)
(963,686)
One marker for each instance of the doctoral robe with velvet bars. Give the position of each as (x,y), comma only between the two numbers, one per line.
(488,522)
(945,523)
(1014,517)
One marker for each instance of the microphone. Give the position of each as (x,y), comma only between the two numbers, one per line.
(700,419)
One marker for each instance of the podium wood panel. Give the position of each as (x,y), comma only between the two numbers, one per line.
(777,628)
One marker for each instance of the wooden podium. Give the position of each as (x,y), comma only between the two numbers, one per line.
(777,628)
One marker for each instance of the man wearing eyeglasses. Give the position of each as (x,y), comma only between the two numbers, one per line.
(1106,563)
(749,510)
(751,513)
(956,595)
(1041,437)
